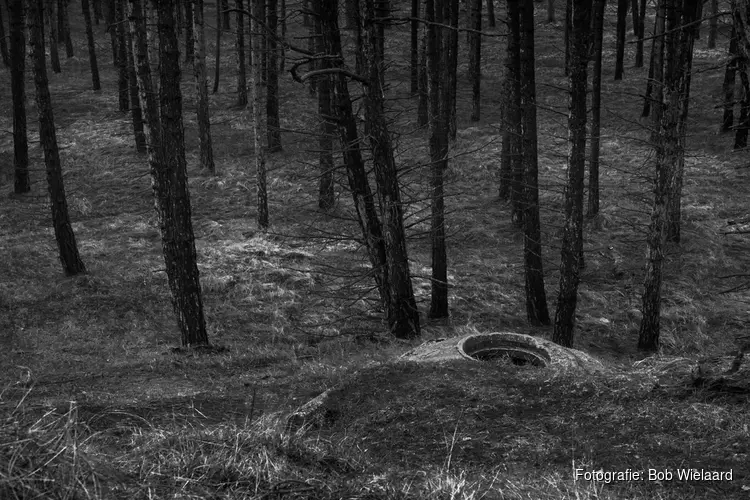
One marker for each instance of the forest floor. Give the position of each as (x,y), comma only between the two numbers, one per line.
(96,403)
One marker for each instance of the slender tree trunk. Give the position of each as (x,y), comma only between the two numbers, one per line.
(422,107)
(668,114)
(439,111)
(656,64)
(65,32)
(122,59)
(536,297)
(513,110)
(741,17)
(111,28)
(572,244)
(135,101)
(730,75)
(259,148)
(217,65)
(225,24)
(272,82)
(240,52)
(491,20)
(475,54)
(403,315)
(451,12)
(97,11)
(567,33)
(622,14)
(3,41)
(282,24)
(262,49)
(364,203)
(596,105)
(326,194)
(414,46)
(713,24)
(21,181)
(92,47)
(641,34)
(551,12)
(66,240)
(54,54)
(189,32)
(201,87)
(692,10)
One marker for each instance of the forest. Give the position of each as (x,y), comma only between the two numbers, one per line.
(253,249)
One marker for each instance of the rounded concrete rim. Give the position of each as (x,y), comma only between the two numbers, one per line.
(471,345)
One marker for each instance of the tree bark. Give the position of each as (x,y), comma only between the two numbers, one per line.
(54,54)
(536,297)
(65,24)
(551,12)
(414,28)
(327,127)
(259,148)
(475,55)
(438,88)
(572,244)
(21,181)
(92,47)
(364,203)
(713,24)
(217,65)
(596,105)
(189,32)
(64,235)
(567,33)
(122,59)
(225,24)
(3,41)
(641,34)
(240,53)
(403,315)
(668,113)
(491,20)
(622,14)
(135,101)
(656,64)
(201,87)
(513,111)
(451,12)
(272,81)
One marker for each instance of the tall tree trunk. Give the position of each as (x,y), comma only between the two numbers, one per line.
(240,48)
(641,34)
(596,105)
(272,82)
(536,297)
(622,14)
(97,11)
(656,64)
(262,48)
(730,75)
(189,32)
(668,114)
(403,315)
(439,111)
(713,24)
(491,20)
(66,240)
(691,12)
(122,59)
(327,128)
(201,87)
(217,65)
(567,33)
(21,181)
(65,24)
(475,55)
(414,61)
(551,11)
(451,12)
(225,24)
(54,54)
(572,244)
(3,41)
(92,47)
(259,148)
(169,171)
(513,111)
(741,17)
(111,18)
(422,106)
(282,24)
(364,203)
(135,101)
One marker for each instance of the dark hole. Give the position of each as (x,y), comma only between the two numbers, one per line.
(518,358)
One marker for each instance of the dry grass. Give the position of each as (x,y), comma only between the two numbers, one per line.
(96,404)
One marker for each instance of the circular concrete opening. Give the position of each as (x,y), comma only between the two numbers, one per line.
(498,347)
